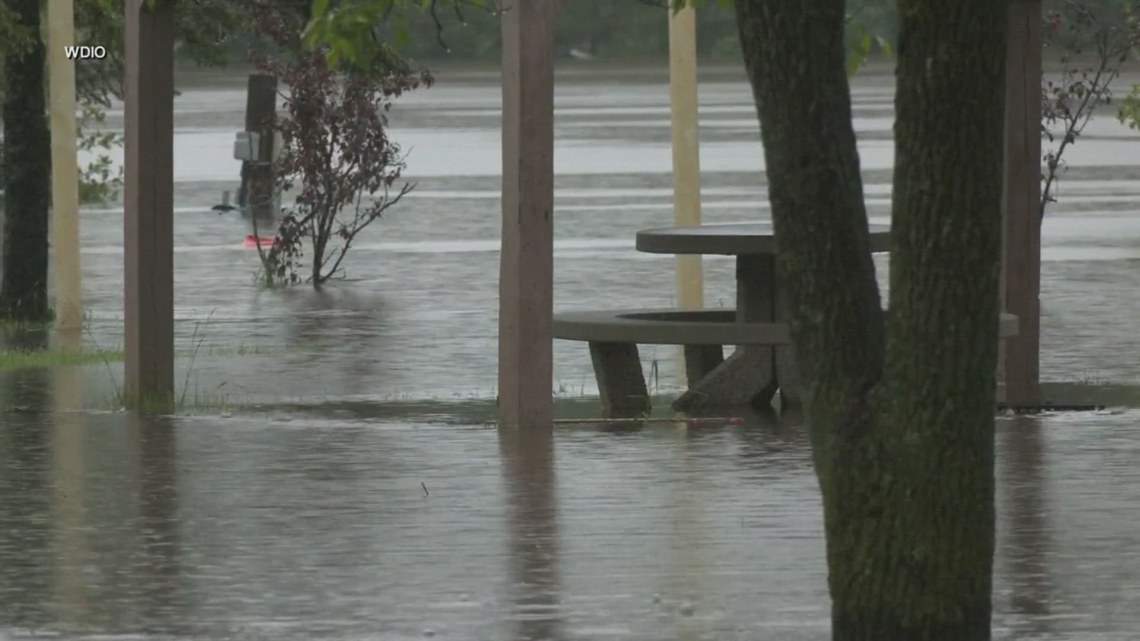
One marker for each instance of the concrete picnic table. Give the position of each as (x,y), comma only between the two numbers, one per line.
(753,374)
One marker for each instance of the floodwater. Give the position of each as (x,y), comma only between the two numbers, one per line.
(417,317)
(261,528)
(335,480)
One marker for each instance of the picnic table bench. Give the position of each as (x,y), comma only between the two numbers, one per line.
(763,363)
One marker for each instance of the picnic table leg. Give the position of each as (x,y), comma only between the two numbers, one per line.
(701,360)
(621,383)
(748,377)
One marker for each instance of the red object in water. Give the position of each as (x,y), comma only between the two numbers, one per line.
(251,241)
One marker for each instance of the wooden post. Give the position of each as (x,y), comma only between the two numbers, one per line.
(148,223)
(686,147)
(1021,256)
(526,269)
(257,189)
(65,265)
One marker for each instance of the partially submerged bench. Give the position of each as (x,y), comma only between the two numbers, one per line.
(754,373)
(614,336)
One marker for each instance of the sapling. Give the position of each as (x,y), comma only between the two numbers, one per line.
(337,161)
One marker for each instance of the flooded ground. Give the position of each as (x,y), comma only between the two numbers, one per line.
(267,528)
(375,505)
(417,317)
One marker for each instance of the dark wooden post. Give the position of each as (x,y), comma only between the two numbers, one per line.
(526,270)
(257,189)
(1021,258)
(148,223)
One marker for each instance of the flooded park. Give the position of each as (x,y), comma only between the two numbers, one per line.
(333,472)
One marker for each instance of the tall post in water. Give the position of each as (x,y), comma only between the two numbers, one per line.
(256,196)
(686,147)
(1021,247)
(148,221)
(526,269)
(683,108)
(65,265)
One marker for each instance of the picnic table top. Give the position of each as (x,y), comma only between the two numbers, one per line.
(731,239)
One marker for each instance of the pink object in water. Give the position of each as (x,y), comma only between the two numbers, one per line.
(251,241)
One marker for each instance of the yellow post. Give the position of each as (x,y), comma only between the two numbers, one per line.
(686,152)
(686,148)
(65,265)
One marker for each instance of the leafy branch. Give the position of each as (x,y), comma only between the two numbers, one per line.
(1069,102)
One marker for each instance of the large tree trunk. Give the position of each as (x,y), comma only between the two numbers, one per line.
(900,412)
(27,177)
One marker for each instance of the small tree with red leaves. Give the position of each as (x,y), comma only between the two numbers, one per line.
(337,163)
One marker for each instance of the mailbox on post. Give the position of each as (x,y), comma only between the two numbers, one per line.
(247,145)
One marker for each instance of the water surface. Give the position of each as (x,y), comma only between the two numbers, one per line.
(266,527)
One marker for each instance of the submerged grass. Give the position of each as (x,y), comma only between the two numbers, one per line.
(13,359)
(27,358)
(8,325)
(186,404)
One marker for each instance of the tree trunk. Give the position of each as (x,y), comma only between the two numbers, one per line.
(320,241)
(27,177)
(900,411)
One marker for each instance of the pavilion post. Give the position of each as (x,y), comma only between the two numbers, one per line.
(526,269)
(148,222)
(1021,255)
(683,103)
(65,265)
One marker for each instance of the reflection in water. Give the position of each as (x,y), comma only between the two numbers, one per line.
(24,576)
(337,322)
(24,537)
(1028,547)
(528,466)
(690,566)
(73,596)
(152,444)
(774,446)
(28,390)
(722,523)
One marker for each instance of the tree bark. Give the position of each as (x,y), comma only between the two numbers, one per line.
(900,411)
(27,177)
